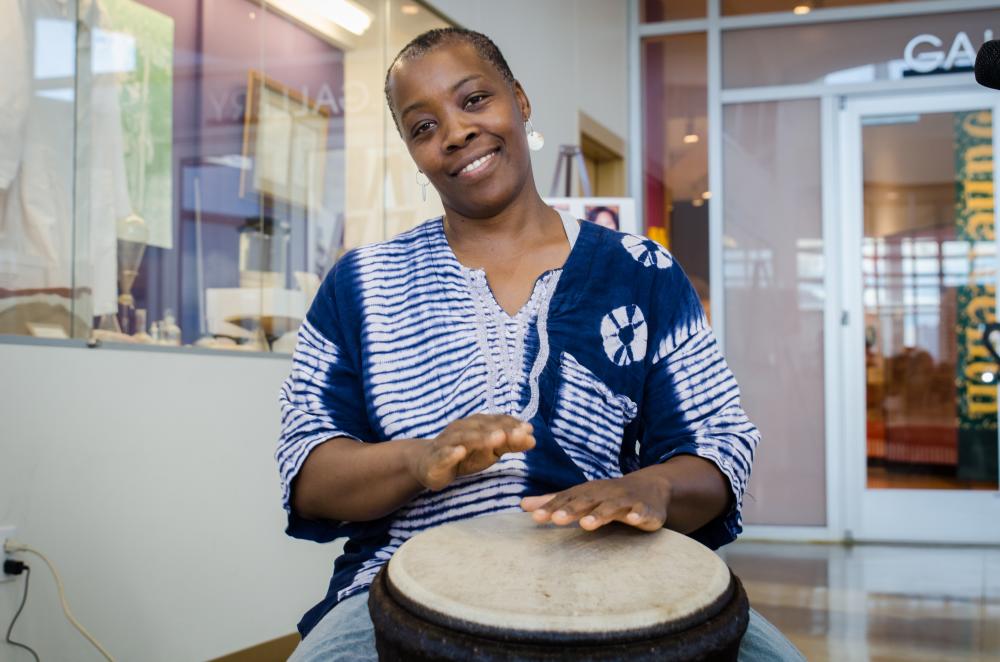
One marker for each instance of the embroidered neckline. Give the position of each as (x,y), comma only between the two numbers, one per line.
(509,366)
(511,332)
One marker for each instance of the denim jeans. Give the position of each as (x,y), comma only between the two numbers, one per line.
(346,634)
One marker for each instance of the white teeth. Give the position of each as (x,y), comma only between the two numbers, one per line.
(478,162)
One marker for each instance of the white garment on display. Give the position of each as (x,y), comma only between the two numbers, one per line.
(14,91)
(50,146)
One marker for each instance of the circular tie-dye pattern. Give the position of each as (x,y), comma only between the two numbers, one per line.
(624,333)
(647,252)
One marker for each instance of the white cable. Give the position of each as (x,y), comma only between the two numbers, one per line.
(18,547)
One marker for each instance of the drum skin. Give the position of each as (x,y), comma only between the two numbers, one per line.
(433,627)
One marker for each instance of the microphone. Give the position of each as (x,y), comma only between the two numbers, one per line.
(988,65)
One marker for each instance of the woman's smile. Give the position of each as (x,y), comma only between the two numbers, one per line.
(479,166)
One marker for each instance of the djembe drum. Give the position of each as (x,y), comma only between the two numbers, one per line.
(502,587)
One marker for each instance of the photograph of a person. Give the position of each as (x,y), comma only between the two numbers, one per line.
(605,216)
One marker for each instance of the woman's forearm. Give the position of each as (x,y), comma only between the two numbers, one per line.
(344,479)
(348,480)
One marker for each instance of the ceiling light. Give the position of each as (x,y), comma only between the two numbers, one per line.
(344,13)
(690,136)
(707,195)
(802,8)
(697,202)
(410,10)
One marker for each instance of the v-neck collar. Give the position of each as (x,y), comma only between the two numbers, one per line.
(567,284)
(574,271)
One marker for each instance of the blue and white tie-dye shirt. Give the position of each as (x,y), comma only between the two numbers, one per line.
(611,360)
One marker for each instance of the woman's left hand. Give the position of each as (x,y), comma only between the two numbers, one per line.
(637,499)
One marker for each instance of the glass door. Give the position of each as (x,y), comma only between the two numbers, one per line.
(919,252)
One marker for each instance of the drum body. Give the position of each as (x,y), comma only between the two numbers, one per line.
(504,588)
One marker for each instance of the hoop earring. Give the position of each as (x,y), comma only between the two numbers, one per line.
(535,139)
(423,185)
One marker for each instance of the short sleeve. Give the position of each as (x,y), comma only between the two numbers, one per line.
(691,402)
(322,398)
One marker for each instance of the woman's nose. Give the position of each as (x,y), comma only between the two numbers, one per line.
(459,135)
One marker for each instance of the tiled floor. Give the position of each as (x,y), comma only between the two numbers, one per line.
(877,602)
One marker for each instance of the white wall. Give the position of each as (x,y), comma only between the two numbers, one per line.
(148,479)
(570,55)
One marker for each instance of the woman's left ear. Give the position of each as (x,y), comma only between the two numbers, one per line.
(522,101)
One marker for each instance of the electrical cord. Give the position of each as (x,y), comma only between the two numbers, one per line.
(16,568)
(13,547)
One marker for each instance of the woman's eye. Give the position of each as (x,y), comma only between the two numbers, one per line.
(474,100)
(420,128)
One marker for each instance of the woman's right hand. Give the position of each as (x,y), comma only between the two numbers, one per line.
(468,446)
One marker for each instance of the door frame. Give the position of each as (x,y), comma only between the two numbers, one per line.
(897,515)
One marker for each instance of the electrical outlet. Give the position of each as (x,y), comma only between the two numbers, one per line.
(5,533)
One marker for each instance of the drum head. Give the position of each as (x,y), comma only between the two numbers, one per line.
(505,573)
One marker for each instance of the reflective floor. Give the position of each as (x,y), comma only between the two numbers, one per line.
(876,602)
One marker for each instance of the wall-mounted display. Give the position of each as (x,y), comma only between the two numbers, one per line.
(612,213)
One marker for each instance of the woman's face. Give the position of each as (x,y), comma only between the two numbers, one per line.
(607,219)
(464,128)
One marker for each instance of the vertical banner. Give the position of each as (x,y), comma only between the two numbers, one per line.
(140,42)
(974,217)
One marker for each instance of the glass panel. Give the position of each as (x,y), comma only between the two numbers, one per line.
(227,154)
(675,159)
(737,7)
(856,51)
(37,111)
(929,267)
(404,205)
(775,292)
(652,11)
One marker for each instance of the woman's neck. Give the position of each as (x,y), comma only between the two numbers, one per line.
(523,226)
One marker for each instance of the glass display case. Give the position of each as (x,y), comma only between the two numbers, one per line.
(176,172)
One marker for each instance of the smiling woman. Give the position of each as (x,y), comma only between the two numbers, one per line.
(502,357)
(459,110)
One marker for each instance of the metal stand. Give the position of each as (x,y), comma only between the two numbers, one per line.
(567,154)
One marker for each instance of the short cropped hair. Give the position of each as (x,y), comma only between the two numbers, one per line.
(431,39)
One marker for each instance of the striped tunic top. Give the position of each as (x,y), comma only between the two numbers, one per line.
(611,360)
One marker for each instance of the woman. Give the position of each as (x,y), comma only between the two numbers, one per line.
(603,216)
(499,355)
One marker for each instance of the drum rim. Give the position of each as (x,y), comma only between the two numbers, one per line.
(542,636)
